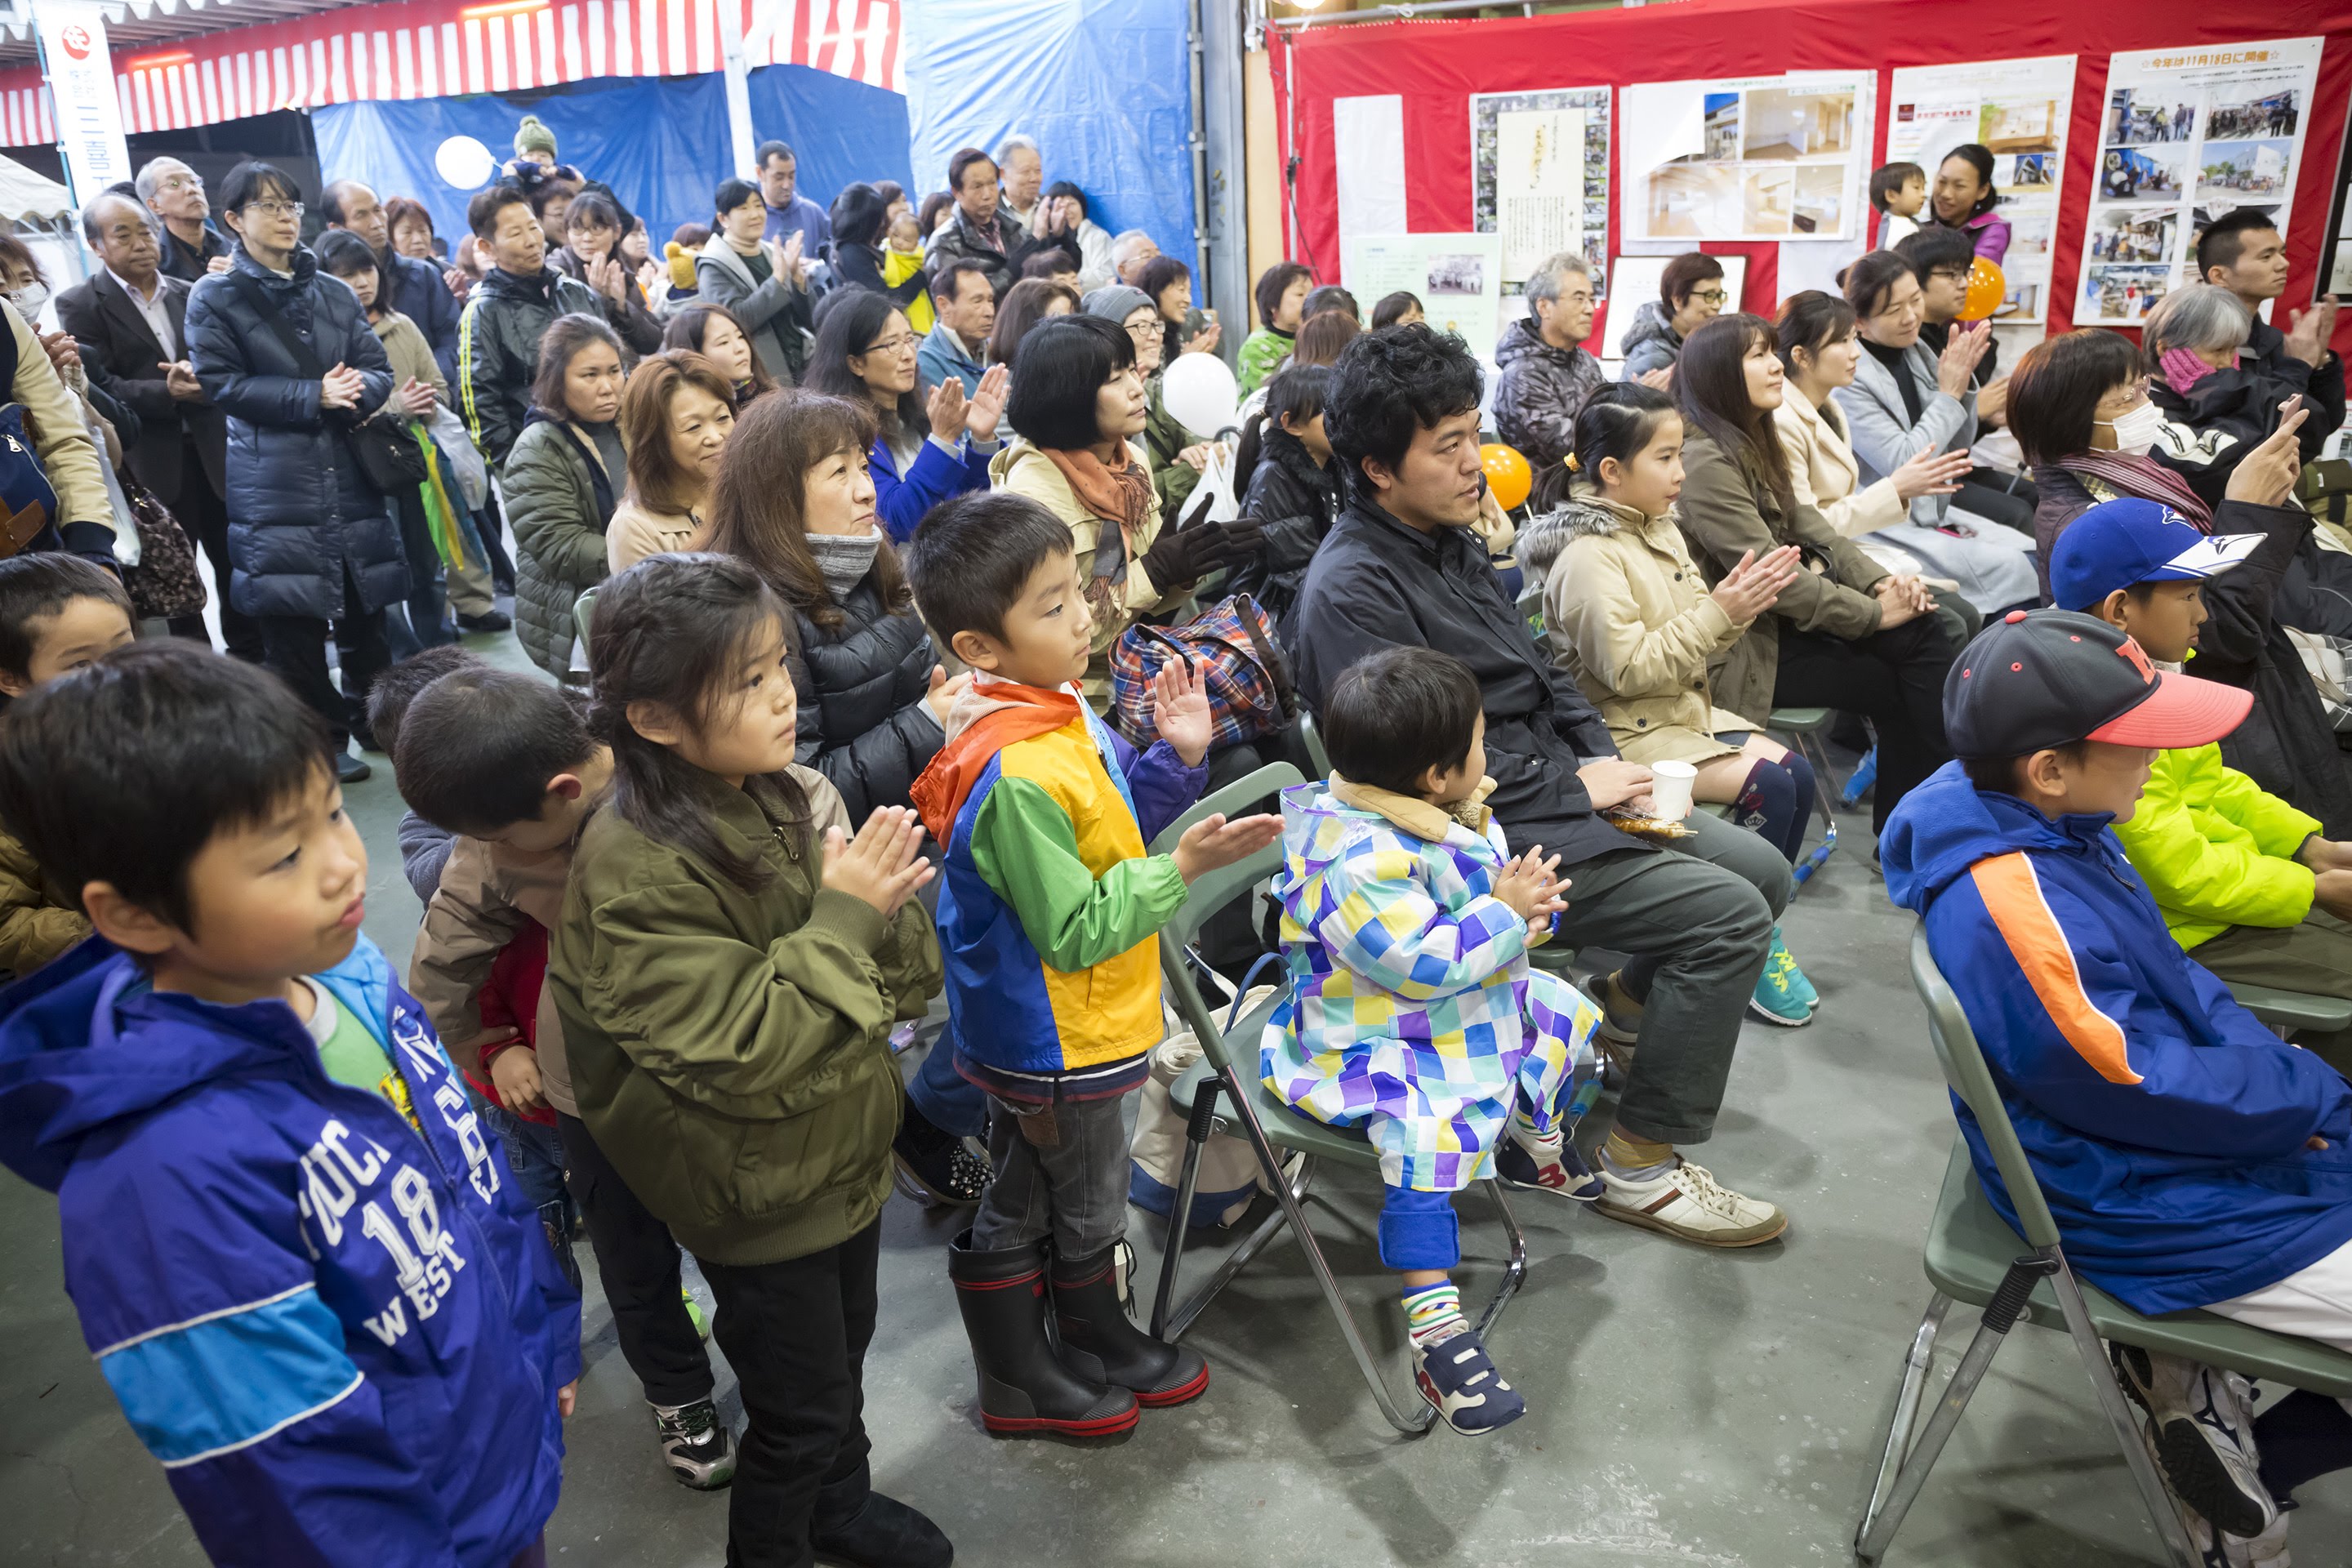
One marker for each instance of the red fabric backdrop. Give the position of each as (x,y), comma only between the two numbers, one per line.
(1435,66)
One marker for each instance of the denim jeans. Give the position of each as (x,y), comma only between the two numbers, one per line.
(1061,1170)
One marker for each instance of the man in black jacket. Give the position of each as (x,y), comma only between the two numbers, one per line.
(509,311)
(1402,567)
(2245,253)
(130,321)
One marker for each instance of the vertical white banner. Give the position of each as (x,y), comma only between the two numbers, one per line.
(1368,139)
(81,79)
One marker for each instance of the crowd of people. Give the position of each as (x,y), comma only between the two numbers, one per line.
(848,542)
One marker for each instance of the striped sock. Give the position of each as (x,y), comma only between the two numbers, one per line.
(1544,1146)
(1433,1314)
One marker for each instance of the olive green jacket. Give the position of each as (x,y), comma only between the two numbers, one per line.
(730,1050)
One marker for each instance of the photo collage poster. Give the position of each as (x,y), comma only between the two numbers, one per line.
(1459,278)
(2017,110)
(2185,136)
(1747,158)
(1539,176)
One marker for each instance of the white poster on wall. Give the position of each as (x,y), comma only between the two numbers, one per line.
(1458,278)
(2017,110)
(1539,185)
(2185,136)
(1367,144)
(1563,199)
(1746,158)
(81,71)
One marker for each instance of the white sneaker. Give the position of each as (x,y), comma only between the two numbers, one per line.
(2200,1431)
(1686,1201)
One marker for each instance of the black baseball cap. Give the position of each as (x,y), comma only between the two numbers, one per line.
(2029,682)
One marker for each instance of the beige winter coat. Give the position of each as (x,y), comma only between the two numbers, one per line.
(1825,476)
(1627,613)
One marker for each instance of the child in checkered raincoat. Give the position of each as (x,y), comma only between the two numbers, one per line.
(1414,1014)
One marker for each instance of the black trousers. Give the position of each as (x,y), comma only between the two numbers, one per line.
(1895,678)
(2005,499)
(294,647)
(638,1261)
(795,1333)
(202,512)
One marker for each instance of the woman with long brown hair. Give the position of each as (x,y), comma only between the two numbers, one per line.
(1846,633)
(795,502)
(715,332)
(676,414)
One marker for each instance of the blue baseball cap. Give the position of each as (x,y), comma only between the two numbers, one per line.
(2119,543)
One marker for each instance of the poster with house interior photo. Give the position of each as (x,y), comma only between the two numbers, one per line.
(2185,136)
(1754,158)
(2017,110)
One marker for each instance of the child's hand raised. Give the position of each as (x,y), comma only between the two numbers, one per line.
(881,866)
(1532,886)
(1213,842)
(1180,709)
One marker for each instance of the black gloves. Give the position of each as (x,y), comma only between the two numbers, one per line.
(1189,554)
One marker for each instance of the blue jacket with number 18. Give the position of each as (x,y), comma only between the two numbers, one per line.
(340,1331)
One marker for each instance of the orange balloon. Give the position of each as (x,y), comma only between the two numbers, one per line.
(1987,289)
(1507,474)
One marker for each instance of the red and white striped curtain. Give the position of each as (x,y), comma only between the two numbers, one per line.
(437,48)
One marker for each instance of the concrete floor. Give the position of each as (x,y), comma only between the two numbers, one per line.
(1685,1407)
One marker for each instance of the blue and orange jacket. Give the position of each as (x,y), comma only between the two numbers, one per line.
(1050,912)
(340,1332)
(2169,1128)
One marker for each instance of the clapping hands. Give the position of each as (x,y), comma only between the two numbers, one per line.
(883,866)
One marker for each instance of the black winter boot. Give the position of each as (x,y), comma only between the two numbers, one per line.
(1023,1387)
(1099,1341)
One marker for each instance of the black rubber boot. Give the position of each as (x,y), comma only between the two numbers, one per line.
(1099,1341)
(1024,1387)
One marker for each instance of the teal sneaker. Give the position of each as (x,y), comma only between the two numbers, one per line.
(1783,996)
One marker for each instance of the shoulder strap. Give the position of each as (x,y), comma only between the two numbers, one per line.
(305,361)
(8,365)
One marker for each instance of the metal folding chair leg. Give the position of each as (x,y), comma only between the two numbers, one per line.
(1904,1417)
(1825,801)
(1889,1504)
(2168,1528)
(1515,1270)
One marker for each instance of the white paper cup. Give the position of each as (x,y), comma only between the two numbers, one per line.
(1670,790)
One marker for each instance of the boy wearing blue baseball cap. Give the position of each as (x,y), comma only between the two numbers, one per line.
(2189,1156)
(2245,881)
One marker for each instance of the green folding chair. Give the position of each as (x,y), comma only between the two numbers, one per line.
(1271,1127)
(1972,1255)
(1807,728)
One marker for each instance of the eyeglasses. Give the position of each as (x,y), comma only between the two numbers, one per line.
(1950,274)
(2126,398)
(181,183)
(904,343)
(1710,296)
(277,209)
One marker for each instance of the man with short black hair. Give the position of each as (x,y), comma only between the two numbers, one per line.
(131,322)
(966,307)
(789,212)
(2244,253)
(1547,373)
(414,287)
(511,310)
(1403,567)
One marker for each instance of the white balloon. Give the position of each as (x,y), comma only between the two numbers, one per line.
(463,162)
(1200,392)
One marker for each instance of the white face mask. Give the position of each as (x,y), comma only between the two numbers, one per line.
(30,299)
(2137,431)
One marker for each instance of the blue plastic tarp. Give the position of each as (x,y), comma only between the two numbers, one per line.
(1104,87)
(661,143)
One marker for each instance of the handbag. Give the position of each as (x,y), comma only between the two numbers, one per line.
(27,502)
(387,457)
(1231,644)
(163,582)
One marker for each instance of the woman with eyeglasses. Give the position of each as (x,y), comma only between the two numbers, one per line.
(925,448)
(1691,293)
(286,354)
(2079,406)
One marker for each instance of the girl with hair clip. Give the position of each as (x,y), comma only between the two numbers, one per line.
(729,963)
(1627,613)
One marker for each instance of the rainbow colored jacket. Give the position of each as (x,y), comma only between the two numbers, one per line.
(1050,912)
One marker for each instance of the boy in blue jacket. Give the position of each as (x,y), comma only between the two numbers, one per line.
(302,1266)
(2189,1156)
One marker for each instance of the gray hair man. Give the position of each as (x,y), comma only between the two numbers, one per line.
(1021,173)
(1129,252)
(1547,373)
(175,194)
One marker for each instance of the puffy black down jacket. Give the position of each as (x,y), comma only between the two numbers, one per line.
(861,684)
(300,513)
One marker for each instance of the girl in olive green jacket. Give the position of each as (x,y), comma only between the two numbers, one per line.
(727,968)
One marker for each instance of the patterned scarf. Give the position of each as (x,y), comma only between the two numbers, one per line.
(2126,474)
(1122,495)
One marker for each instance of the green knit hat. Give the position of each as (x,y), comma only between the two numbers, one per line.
(533,136)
